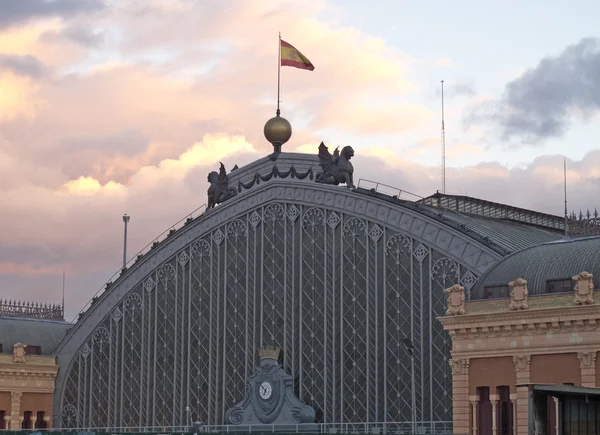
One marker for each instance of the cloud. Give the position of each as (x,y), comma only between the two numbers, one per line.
(77,34)
(138,103)
(22,65)
(18,12)
(541,103)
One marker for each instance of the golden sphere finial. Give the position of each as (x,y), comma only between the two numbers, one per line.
(278,131)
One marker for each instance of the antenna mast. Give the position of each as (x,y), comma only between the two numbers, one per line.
(443,145)
(565,185)
(63,295)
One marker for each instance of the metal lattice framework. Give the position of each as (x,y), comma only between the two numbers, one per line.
(340,293)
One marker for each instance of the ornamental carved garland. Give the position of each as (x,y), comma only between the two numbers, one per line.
(459,366)
(455,298)
(518,294)
(522,363)
(584,289)
(587,360)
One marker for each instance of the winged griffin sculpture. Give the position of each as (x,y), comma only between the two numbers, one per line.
(219,190)
(337,168)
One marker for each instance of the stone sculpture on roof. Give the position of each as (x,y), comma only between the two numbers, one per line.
(337,168)
(219,190)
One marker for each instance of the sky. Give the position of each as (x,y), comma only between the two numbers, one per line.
(120,106)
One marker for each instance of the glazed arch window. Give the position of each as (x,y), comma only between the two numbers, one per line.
(496,292)
(33,350)
(564,285)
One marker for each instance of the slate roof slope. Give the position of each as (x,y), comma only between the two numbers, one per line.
(505,236)
(560,259)
(511,235)
(34,332)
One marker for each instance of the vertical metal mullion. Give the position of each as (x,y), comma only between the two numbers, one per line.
(430,340)
(119,417)
(422,368)
(368,320)
(211,394)
(224,332)
(341,418)
(154,350)
(325,293)
(175,345)
(385,336)
(143,336)
(189,335)
(262,273)
(246,322)
(300,300)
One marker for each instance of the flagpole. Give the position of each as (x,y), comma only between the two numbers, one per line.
(278,73)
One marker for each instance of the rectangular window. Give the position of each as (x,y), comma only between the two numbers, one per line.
(484,411)
(26,420)
(496,292)
(559,285)
(505,412)
(2,422)
(1,348)
(40,423)
(33,350)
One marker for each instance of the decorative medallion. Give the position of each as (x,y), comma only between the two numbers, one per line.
(468,280)
(421,252)
(375,233)
(183,258)
(85,351)
(149,284)
(333,220)
(254,219)
(293,213)
(218,236)
(117,315)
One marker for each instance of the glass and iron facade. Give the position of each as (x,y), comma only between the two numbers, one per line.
(342,283)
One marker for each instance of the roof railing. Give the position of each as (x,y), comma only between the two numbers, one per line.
(386,189)
(187,219)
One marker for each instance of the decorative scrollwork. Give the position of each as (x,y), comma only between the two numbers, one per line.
(397,245)
(354,227)
(274,212)
(133,303)
(445,271)
(69,414)
(313,217)
(101,337)
(201,249)
(236,229)
(166,273)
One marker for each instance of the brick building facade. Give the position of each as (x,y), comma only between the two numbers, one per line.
(501,345)
(27,368)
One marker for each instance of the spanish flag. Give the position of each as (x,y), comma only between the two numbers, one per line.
(290,56)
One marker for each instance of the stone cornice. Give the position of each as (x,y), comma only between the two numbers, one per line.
(6,375)
(526,319)
(541,325)
(20,370)
(30,360)
(510,352)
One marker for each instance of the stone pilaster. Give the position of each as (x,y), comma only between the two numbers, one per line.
(15,410)
(494,402)
(513,401)
(523,375)
(460,395)
(474,418)
(587,364)
(33,422)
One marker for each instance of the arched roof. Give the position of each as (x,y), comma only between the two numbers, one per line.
(560,259)
(33,332)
